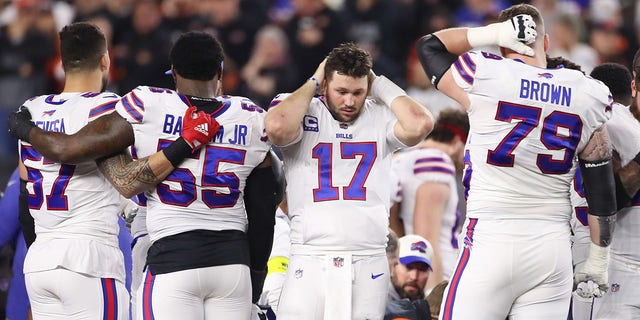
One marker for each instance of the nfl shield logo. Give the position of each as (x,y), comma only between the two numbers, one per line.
(344,125)
(615,287)
(338,262)
(298,274)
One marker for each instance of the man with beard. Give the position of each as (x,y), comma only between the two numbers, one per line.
(411,267)
(337,147)
(411,271)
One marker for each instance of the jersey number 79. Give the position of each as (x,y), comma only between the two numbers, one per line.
(528,119)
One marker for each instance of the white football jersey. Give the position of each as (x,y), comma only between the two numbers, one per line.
(527,126)
(624,131)
(74,206)
(416,167)
(580,234)
(206,191)
(281,229)
(625,237)
(338,180)
(624,246)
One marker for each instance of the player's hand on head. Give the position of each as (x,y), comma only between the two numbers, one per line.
(525,28)
(370,77)
(319,74)
(515,34)
(198,128)
(20,123)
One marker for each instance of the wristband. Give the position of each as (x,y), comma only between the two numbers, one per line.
(277,264)
(598,256)
(317,85)
(483,36)
(386,90)
(177,151)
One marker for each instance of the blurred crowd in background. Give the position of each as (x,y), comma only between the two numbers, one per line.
(273,46)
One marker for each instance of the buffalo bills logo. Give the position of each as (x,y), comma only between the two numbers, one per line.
(344,125)
(48,112)
(419,246)
(545,75)
(298,274)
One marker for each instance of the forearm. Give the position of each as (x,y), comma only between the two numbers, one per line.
(629,176)
(437,275)
(282,122)
(71,149)
(415,121)
(395,222)
(103,137)
(429,228)
(455,40)
(601,229)
(133,177)
(599,186)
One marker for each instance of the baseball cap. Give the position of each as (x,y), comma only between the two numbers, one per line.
(414,248)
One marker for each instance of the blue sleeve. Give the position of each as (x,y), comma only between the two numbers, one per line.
(9,225)
(125,240)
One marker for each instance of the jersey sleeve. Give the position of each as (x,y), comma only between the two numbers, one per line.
(624,131)
(390,119)
(258,124)
(106,104)
(277,99)
(433,168)
(274,104)
(603,103)
(464,69)
(131,106)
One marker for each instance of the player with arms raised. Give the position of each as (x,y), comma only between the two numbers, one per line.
(528,124)
(337,158)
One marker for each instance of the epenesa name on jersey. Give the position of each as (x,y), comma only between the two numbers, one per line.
(56,125)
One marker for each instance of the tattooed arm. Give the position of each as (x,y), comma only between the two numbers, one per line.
(629,176)
(105,136)
(597,175)
(131,177)
(596,167)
